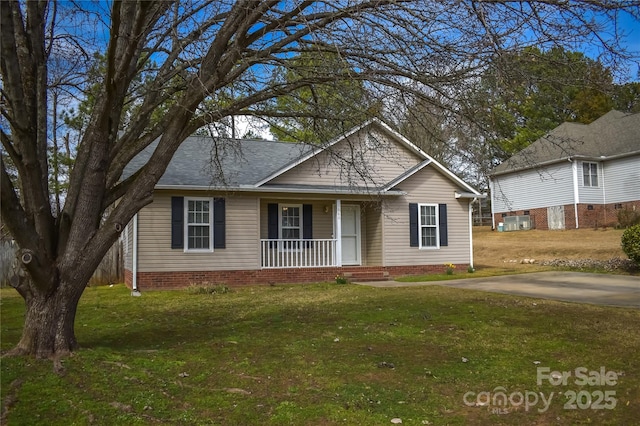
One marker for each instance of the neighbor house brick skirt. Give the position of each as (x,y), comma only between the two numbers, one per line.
(589,215)
(169,280)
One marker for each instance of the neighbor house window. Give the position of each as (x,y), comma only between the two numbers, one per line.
(428,225)
(590,174)
(199,229)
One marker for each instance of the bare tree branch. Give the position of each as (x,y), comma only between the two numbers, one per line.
(146,71)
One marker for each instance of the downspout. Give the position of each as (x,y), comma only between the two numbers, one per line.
(576,194)
(493,214)
(471,232)
(338,233)
(134,266)
(604,197)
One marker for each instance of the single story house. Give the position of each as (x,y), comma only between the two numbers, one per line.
(577,176)
(368,205)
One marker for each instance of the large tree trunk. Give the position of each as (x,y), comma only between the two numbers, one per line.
(49,322)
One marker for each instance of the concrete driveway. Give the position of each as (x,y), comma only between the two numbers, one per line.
(599,289)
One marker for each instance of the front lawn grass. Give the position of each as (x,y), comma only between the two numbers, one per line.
(322,354)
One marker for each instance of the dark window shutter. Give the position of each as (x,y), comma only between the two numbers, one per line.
(307,223)
(219,231)
(413,225)
(272,221)
(177,222)
(442,224)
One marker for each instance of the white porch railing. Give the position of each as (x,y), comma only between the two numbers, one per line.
(298,253)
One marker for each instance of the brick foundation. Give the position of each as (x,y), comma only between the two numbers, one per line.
(596,216)
(174,280)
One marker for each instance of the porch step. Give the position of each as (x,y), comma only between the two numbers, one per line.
(364,276)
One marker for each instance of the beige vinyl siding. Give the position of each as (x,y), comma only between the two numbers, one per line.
(335,166)
(430,187)
(363,238)
(154,238)
(372,234)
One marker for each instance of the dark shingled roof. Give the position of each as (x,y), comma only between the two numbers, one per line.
(200,161)
(615,133)
(248,164)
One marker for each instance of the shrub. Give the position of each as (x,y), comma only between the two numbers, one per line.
(628,217)
(631,243)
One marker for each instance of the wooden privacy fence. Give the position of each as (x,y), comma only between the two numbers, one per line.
(110,271)
(7,258)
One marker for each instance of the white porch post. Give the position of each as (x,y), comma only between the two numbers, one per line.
(471,232)
(338,233)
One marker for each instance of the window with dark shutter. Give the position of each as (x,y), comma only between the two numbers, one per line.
(198,224)
(428,225)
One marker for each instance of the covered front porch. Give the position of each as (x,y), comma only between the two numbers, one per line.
(318,233)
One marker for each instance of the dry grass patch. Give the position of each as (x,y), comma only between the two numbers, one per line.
(505,250)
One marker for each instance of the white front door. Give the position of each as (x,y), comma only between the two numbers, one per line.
(350,234)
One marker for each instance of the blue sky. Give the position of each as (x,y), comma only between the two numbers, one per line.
(632,42)
(629,28)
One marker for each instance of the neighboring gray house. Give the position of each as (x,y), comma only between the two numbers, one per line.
(577,176)
(272,212)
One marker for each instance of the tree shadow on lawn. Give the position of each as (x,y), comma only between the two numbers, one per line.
(175,327)
(358,315)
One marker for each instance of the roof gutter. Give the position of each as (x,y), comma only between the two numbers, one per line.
(468,195)
(605,157)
